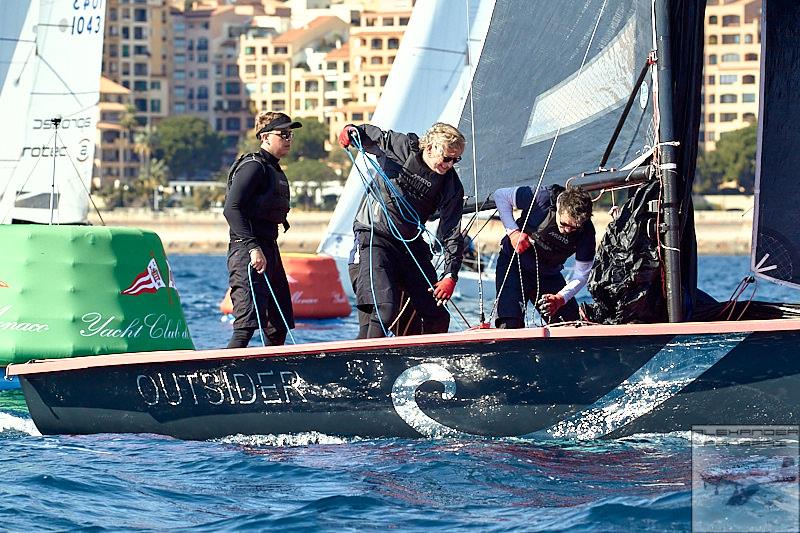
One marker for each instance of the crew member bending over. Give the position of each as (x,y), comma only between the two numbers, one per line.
(553,226)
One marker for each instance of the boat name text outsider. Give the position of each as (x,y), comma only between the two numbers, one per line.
(220,387)
(156,326)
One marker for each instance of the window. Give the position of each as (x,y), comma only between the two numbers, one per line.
(331,65)
(180,91)
(202,57)
(281,50)
(140,15)
(202,105)
(202,93)
(179,107)
(731,39)
(312,86)
(404,21)
(232,87)
(179,59)
(748,98)
(202,43)
(712,59)
(730,20)
(250,69)
(712,117)
(712,80)
(388,21)
(311,104)
(748,117)
(263,70)
(383,80)
(711,98)
(376,44)
(369,81)
(712,39)
(138,33)
(370,21)
(728,79)
(232,71)
(249,50)
(748,38)
(712,19)
(346,66)
(330,85)
(751,57)
(727,117)
(376,60)
(126,50)
(180,42)
(140,104)
(358,116)
(139,85)
(278,87)
(233,124)
(330,102)
(728,58)
(140,50)
(278,69)
(748,79)
(394,43)
(140,69)
(155,106)
(728,99)
(279,105)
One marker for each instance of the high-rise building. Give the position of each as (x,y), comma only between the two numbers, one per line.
(731,73)
(113,154)
(136,54)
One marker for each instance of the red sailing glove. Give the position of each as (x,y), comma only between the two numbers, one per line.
(549,304)
(344,136)
(520,241)
(443,290)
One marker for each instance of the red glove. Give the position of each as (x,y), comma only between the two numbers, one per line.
(520,241)
(344,136)
(549,304)
(443,290)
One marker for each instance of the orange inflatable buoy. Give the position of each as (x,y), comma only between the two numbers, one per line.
(315,285)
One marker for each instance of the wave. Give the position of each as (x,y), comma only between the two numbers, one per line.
(16,424)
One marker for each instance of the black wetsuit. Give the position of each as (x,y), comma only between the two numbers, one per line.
(386,262)
(546,256)
(257,202)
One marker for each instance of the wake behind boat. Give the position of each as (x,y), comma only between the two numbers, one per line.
(578,380)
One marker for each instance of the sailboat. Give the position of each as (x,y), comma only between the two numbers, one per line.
(66,288)
(555,83)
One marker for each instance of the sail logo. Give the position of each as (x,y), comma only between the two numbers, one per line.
(64,124)
(84,150)
(150,280)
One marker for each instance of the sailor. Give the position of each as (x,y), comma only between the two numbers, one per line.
(419,179)
(256,203)
(555,224)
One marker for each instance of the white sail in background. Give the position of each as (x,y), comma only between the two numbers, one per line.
(431,73)
(53,51)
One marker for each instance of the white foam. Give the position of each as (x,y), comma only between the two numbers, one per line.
(15,423)
(297,439)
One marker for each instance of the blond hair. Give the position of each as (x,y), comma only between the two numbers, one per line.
(264,118)
(442,136)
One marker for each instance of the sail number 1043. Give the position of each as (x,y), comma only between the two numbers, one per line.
(83,24)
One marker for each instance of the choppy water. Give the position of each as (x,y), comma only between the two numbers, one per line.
(310,482)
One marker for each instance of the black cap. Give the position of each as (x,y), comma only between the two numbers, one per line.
(282,122)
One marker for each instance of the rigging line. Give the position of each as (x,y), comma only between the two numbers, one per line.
(481,310)
(87,191)
(21,187)
(9,39)
(549,155)
(31,51)
(57,75)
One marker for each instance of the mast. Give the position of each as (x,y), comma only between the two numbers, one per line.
(668,165)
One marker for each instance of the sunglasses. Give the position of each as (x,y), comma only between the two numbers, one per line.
(448,159)
(573,227)
(287,135)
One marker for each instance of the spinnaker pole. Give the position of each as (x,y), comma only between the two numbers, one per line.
(670,229)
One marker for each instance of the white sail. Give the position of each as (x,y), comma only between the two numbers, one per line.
(430,76)
(54,52)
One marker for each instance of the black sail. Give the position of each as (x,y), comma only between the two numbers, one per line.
(776,240)
(557,69)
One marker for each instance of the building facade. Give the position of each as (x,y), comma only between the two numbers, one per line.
(731,71)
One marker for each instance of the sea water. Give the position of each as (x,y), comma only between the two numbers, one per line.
(311,482)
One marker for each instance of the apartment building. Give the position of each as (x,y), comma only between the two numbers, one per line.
(113,156)
(731,71)
(137,55)
(289,72)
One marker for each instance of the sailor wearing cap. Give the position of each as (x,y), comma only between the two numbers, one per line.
(257,201)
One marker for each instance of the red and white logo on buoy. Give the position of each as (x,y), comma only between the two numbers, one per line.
(3,284)
(150,280)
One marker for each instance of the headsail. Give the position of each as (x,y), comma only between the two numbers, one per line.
(54,52)
(776,241)
(558,69)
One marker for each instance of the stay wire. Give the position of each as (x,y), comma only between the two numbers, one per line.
(250,268)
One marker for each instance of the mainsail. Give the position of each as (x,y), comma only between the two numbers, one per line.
(50,76)
(776,241)
(557,75)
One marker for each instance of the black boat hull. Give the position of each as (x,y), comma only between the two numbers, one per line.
(569,384)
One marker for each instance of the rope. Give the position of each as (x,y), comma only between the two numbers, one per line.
(277,305)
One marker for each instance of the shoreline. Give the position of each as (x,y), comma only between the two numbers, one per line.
(192,232)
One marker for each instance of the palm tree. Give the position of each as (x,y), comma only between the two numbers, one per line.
(145,141)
